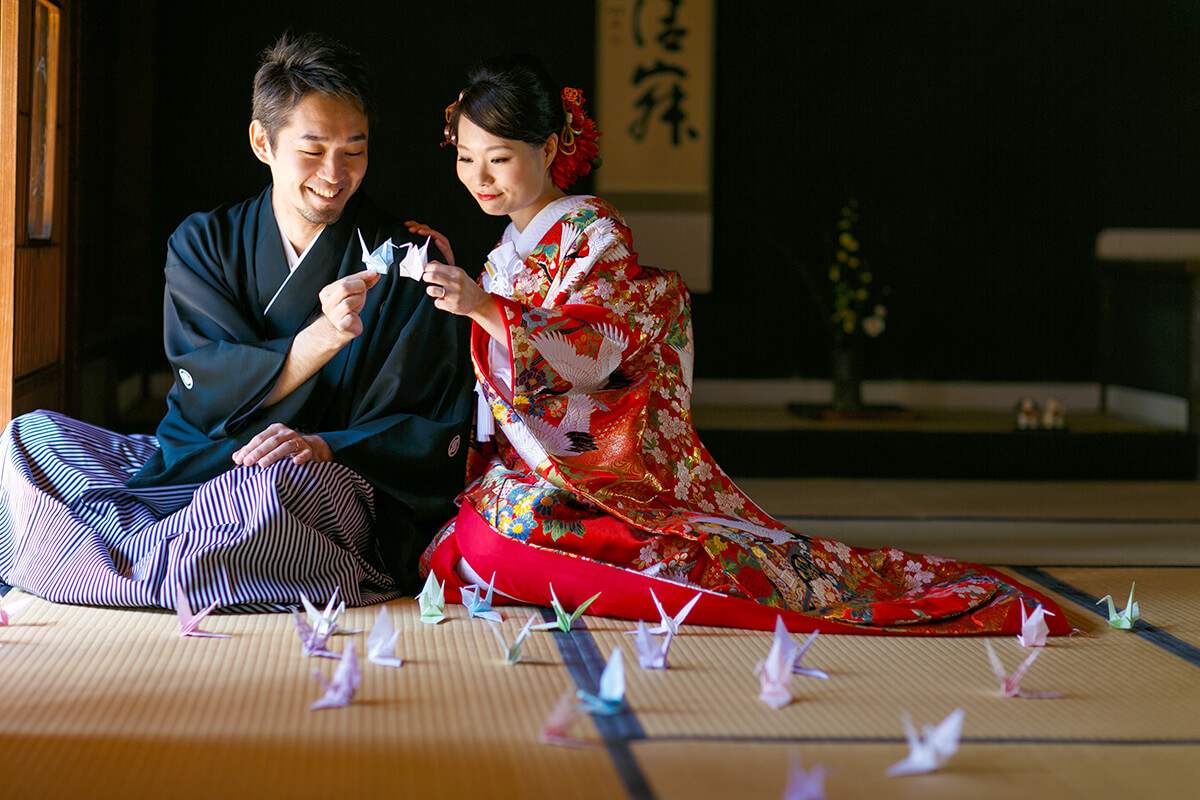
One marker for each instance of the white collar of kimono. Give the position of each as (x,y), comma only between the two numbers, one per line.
(528,239)
(288,250)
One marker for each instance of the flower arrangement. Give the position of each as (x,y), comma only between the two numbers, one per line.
(854,306)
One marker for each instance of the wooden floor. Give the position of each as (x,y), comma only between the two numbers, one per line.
(108,703)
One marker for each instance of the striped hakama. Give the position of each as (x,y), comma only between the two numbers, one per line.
(251,539)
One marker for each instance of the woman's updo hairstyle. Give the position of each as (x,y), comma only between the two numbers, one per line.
(512,97)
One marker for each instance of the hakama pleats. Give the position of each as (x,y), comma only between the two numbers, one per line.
(250,539)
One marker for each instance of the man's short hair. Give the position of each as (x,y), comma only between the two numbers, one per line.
(298,65)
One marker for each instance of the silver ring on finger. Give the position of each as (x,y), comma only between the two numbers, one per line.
(295,445)
(443,294)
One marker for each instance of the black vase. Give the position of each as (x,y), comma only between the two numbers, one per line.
(846,360)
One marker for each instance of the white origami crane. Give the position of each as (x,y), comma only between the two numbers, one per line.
(311,643)
(414,261)
(15,602)
(803,785)
(651,653)
(807,671)
(381,641)
(326,622)
(432,601)
(1010,685)
(346,679)
(480,605)
(412,265)
(610,698)
(669,624)
(189,623)
(1125,618)
(775,671)
(928,752)
(563,621)
(1034,629)
(555,730)
(380,259)
(512,652)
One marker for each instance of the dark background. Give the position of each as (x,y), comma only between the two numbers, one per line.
(987,142)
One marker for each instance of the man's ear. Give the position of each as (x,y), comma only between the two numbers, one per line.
(260,143)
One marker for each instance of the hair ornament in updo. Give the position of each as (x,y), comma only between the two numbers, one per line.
(577,148)
(446,132)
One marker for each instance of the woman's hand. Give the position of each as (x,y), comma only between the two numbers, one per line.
(278,442)
(443,244)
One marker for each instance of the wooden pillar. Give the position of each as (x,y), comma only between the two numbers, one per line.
(10,30)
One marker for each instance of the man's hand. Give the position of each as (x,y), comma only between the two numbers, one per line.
(278,442)
(342,300)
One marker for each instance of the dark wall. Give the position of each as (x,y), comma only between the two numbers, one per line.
(988,143)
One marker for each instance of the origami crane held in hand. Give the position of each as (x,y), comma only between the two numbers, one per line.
(189,623)
(412,265)
(346,679)
(1034,629)
(1010,685)
(15,602)
(1125,618)
(381,641)
(312,643)
(480,605)
(775,671)
(929,752)
(563,621)
(432,601)
(512,653)
(610,698)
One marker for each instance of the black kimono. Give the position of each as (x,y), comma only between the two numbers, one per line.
(393,406)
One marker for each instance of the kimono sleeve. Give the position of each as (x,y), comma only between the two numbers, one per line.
(223,366)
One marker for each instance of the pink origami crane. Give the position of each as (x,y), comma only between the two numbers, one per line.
(803,785)
(14,607)
(346,679)
(1034,629)
(189,623)
(775,671)
(312,641)
(1010,685)
(562,717)
(931,749)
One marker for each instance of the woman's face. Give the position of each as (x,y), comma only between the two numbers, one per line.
(505,176)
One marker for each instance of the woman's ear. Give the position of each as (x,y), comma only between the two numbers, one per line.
(550,150)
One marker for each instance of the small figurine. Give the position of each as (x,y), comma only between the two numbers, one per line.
(1027,414)
(1054,417)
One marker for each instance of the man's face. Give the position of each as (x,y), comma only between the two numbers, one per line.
(317,162)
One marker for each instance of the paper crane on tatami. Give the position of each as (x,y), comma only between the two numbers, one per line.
(1125,618)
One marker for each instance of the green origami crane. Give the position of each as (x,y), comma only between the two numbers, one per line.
(432,601)
(1121,619)
(565,620)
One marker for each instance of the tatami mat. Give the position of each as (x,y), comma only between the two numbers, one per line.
(113,703)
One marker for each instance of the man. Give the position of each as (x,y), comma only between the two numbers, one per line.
(312,439)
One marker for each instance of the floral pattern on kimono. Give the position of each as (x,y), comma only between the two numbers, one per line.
(595,454)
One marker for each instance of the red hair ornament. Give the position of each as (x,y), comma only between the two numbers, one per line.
(577,149)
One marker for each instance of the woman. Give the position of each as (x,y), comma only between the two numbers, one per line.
(586,473)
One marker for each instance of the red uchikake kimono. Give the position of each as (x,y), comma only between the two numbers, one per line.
(594,479)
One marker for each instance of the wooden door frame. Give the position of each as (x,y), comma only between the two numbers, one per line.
(10,40)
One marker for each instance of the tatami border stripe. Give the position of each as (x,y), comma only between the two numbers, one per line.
(989,520)
(1151,633)
(584,664)
(683,738)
